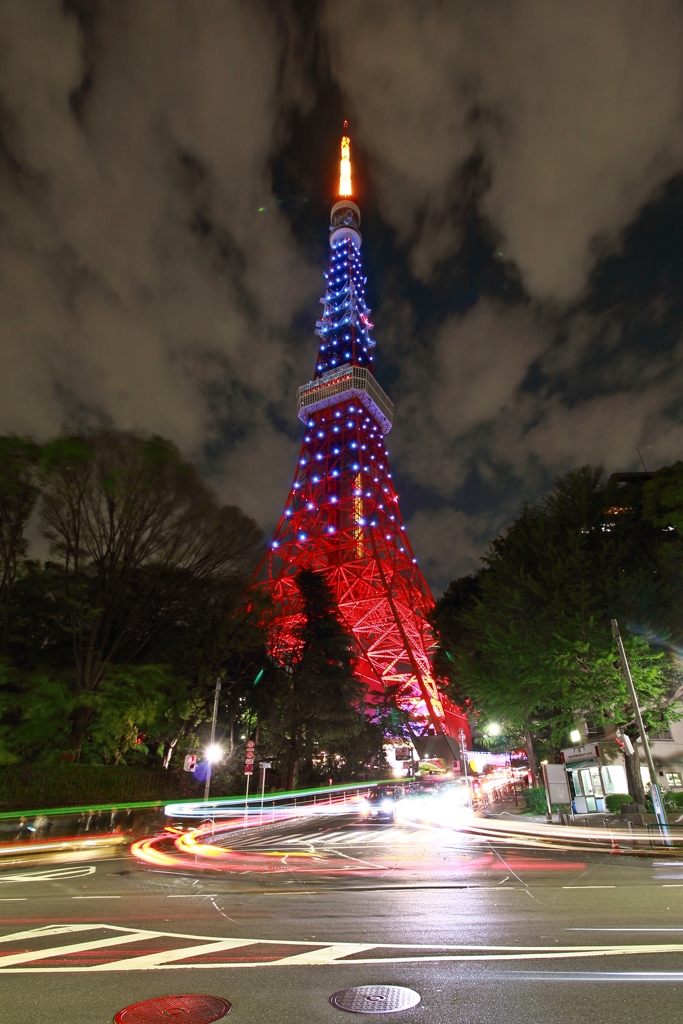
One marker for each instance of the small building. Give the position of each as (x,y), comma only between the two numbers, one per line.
(596,767)
(595,771)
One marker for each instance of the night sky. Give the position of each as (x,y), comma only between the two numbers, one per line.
(166,174)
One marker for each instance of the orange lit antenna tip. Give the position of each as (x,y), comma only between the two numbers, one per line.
(345,164)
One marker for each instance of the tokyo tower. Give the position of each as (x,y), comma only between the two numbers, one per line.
(342,516)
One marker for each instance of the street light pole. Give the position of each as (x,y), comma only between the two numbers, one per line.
(657,801)
(207,784)
(264,766)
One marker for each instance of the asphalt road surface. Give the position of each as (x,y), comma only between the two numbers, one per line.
(486,934)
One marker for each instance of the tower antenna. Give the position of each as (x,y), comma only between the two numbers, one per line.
(345,188)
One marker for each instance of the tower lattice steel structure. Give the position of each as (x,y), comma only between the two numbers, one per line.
(342,515)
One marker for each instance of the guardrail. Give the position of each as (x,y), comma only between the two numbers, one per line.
(274,806)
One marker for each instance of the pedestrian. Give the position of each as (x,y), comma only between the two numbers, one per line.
(129,821)
(155,821)
(22,831)
(115,820)
(39,827)
(92,822)
(81,823)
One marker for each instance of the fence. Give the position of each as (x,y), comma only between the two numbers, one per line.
(72,785)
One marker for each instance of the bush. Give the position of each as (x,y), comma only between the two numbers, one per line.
(614,801)
(535,800)
(673,801)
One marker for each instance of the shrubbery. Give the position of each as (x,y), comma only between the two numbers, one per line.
(614,801)
(535,800)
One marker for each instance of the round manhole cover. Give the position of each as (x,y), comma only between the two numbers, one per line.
(375,999)
(188,1009)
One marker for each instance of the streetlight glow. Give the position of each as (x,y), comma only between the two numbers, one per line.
(214,753)
(493,729)
(575,736)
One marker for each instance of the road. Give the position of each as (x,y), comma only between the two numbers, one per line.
(483,932)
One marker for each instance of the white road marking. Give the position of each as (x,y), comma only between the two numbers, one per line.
(589,886)
(327,955)
(54,929)
(587,929)
(78,947)
(317,953)
(95,897)
(146,963)
(51,874)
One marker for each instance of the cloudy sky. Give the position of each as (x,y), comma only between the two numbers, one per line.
(166,171)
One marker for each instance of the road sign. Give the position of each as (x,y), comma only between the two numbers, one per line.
(190,763)
(248,769)
(249,759)
(557,783)
(266,764)
(250,744)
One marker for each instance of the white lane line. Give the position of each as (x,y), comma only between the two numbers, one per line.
(672,885)
(13,899)
(596,975)
(575,953)
(317,953)
(95,897)
(589,886)
(194,896)
(639,929)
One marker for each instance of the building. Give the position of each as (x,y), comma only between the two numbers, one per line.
(596,766)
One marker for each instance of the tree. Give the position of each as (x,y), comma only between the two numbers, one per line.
(530,637)
(19,488)
(317,702)
(138,539)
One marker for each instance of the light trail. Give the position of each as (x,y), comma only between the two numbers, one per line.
(449,810)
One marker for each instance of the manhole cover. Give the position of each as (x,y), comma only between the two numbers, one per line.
(183,1009)
(375,999)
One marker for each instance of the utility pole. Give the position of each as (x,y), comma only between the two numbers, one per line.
(463,754)
(657,801)
(207,784)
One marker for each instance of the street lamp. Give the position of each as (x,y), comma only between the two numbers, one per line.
(213,753)
(575,736)
(493,729)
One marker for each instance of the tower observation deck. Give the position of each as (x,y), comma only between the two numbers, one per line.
(342,514)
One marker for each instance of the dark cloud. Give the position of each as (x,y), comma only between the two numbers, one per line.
(164,171)
(140,285)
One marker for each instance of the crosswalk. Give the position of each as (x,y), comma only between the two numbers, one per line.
(94,947)
(339,839)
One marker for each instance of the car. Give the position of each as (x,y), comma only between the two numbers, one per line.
(380,804)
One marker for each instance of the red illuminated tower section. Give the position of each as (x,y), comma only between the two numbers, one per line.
(342,516)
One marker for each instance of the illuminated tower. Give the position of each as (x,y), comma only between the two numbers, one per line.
(342,516)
